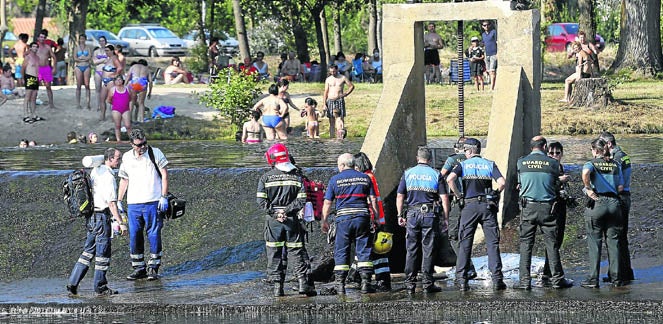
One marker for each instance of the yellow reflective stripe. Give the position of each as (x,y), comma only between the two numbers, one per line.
(342,267)
(367,264)
(294,244)
(83,205)
(261,195)
(283,183)
(275,244)
(301,195)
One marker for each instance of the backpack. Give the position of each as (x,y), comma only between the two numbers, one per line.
(77,194)
(315,194)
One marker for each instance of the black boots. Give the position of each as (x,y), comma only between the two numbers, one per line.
(306,287)
(366,287)
(278,289)
(340,285)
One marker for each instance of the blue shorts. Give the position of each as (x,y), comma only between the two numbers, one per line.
(7,92)
(271,120)
(18,73)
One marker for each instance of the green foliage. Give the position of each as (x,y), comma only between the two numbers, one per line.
(197,60)
(268,37)
(619,78)
(233,96)
(607,19)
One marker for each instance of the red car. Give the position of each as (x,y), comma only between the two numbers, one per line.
(559,37)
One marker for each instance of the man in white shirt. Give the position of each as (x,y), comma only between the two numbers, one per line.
(98,241)
(144,178)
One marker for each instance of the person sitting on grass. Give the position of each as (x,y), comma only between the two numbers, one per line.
(175,73)
(7,84)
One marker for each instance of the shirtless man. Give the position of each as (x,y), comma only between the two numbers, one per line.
(432,43)
(140,85)
(333,98)
(21,48)
(292,68)
(30,70)
(46,66)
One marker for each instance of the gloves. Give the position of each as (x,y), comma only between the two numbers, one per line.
(163,204)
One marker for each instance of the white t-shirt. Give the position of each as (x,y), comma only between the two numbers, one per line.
(104,187)
(144,180)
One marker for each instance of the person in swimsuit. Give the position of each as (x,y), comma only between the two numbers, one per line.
(252,131)
(82,61)
(8,85)
(120,57)
(21,48)
(334,99)
(46,66)
(175,74)
(312,127)
(583,70)
(273,110)
(261,66)
(99,59)
(140,80)
(119,98)
(31,70)
(60,64)
(111,70)
(283,85)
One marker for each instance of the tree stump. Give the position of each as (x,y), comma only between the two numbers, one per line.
(591,92)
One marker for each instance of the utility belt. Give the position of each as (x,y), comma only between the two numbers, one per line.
(476,199)
(103,211)
(608,195)
(278,210)
(554,204)
(424,208)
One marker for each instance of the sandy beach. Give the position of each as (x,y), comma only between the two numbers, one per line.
(67,117)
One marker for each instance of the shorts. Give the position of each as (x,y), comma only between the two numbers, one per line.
(31,82)
(60,69)
(431,56)
(271,120)
(46,74)
(252,140)
(491,63)
(585,75)
(476,68)
(333,104)
(7,92)
(18,73)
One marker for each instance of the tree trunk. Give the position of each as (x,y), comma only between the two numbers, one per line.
(336,16)
(298,31)
(379,30)
(592,93)
(76,18)
(39,20)
(3,25)
(586,19)
(372,26)
(640,37)
(325,36)
(316,14)
(241,30)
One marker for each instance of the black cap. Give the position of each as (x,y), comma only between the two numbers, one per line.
(472,143)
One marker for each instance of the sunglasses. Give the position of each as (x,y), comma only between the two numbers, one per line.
(555,153)
(139,145)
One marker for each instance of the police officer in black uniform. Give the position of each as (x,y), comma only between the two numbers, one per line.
(538,177)
(625,197)
(454,208)
(424,189)
(281,194)
(481,204)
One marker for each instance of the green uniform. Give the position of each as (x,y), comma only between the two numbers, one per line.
(538,176)
(625,197)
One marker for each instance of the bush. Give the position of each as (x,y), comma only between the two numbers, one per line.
(197,60)
(233,96)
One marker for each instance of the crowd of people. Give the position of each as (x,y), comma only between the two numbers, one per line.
(425,202)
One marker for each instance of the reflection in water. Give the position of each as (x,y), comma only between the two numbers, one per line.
(309,153)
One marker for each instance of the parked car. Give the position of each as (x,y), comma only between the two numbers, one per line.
(153,40)
(228,44)
(559,37)
(93,36)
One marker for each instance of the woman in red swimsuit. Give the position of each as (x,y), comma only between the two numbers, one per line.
(120,98)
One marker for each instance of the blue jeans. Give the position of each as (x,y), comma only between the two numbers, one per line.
(97,243)
(144,217)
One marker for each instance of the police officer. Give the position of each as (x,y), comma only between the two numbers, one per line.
(424,189)
(603,181)
(98,241)
(481,203)
(352,190)
(454,209)
(538,179)
(281,194)
(625,197)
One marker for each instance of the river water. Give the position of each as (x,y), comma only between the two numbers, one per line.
(212,276)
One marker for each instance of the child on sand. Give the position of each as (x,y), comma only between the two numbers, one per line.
(341,133)
(312,126)
(8,86)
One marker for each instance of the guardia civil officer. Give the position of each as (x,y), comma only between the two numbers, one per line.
(423,189)
(625,197)
(603,181)
(98,241)
(455,207)
(538,179)
(281,194)
(481,203)
(351,190)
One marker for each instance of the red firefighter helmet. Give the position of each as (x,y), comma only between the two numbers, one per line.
(277,153)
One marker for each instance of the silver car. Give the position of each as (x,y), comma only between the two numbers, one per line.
(152,40)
